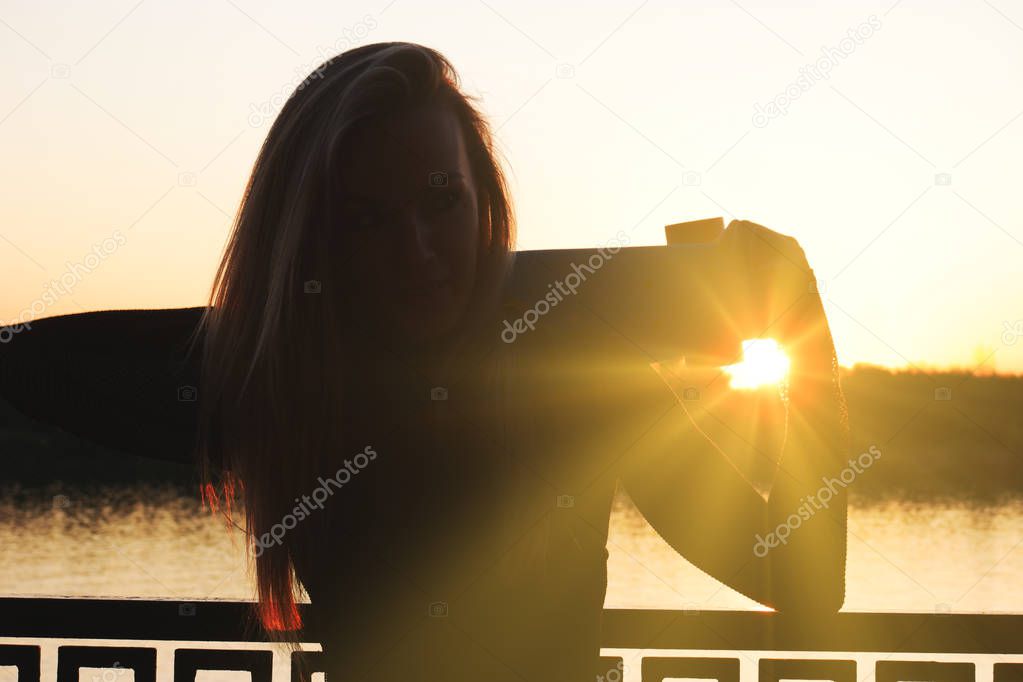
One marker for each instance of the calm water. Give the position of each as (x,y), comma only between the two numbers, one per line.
(152,542)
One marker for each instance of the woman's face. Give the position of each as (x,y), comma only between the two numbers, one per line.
(409,224)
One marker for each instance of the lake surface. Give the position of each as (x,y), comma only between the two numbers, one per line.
(153,542)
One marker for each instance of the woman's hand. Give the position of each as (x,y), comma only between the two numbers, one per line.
(782,303)
(778,285)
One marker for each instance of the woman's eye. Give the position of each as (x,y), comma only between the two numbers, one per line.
(365,220)
(361,219)
(446,199)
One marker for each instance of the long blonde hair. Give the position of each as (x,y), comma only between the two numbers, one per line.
(267,415)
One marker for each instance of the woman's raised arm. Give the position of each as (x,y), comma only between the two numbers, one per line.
(121,378)
(787,551)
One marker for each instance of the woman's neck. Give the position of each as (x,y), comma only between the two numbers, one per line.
(377,361)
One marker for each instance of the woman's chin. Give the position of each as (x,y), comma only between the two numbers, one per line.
(417,326)
(423,327)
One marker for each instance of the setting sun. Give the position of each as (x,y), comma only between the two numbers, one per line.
(763,363)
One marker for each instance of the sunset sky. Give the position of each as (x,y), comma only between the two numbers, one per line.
(895,161)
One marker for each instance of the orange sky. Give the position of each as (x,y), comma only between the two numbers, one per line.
(884,136)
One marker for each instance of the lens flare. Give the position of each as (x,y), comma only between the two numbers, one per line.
(764,363)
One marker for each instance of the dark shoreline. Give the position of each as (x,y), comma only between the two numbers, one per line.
(963,445)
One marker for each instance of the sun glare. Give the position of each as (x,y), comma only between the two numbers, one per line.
(763,363)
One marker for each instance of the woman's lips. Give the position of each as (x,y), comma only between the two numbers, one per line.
(427,289)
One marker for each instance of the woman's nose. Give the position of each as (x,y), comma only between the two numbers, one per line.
(415,241)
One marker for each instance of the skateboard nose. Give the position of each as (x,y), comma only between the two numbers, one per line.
(694,231)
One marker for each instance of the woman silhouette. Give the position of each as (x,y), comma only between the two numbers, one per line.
(442,496)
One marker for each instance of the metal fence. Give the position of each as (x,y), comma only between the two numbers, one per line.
(829,636)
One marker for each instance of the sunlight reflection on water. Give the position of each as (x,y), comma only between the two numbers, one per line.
(154,542)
